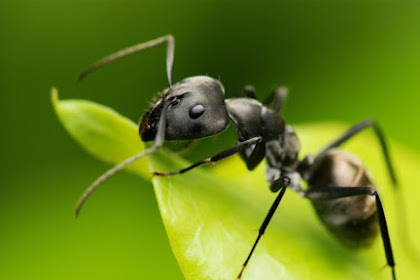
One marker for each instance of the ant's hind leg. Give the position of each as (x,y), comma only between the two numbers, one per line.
(356,129)
(327,193)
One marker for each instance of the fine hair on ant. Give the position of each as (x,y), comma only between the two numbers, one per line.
(342,192)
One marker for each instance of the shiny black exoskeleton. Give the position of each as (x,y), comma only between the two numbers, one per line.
(342,193)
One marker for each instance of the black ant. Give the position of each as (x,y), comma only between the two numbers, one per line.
(341,191)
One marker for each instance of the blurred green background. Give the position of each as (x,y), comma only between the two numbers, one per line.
(342,60)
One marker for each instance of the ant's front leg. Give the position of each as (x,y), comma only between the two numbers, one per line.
(238,148)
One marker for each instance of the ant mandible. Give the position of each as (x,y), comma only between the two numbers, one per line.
(341,191)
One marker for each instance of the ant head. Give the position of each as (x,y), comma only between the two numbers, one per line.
(196,109)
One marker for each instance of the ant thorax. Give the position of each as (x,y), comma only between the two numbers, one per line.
(279,146)
(282,158)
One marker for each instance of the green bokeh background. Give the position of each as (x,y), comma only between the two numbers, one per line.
(342,61)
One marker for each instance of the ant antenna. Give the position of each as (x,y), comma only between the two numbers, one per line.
(170,50)
(160,134)
(159,139)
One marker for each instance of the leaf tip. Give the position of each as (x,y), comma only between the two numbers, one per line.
(54,96)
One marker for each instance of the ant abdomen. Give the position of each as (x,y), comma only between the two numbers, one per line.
(353,220)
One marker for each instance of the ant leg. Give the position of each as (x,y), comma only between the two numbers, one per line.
(283,182)
(239,147)
(340,192)
(253,159)
(405,237)
(159,139)
(277,97)
(356,129)
(248,91)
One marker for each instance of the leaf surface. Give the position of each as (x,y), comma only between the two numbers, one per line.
(212,214)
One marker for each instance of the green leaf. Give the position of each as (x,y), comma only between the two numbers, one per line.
(212,214)
(101,131)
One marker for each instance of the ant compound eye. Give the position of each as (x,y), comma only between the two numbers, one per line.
(196,111)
